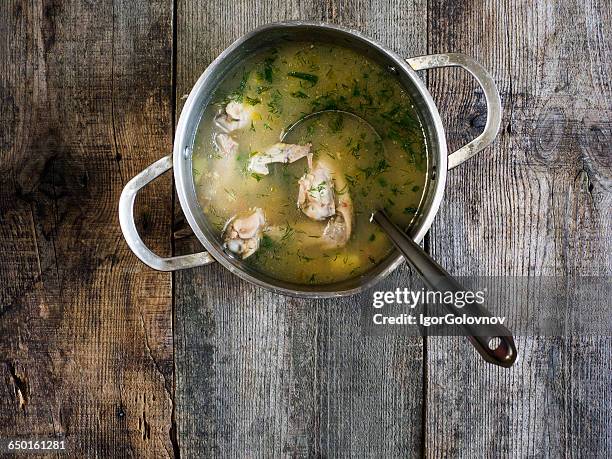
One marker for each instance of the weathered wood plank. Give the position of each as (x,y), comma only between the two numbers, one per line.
(537,203)
(259,374)
(85,329)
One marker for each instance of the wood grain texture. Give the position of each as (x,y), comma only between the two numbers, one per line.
(536,203)
(85,329)
(261,375)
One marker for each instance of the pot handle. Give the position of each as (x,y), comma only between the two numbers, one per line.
(130,233)
(494,109)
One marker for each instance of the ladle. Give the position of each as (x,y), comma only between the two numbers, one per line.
(493,342)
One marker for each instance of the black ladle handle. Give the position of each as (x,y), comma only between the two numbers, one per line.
(436,278)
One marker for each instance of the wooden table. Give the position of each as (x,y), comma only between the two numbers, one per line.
(121,360)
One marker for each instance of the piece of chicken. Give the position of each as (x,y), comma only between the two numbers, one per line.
(226,145)
(324,193)
(278,153)
(338,230)
(242,233)
(235,116)
(316,197)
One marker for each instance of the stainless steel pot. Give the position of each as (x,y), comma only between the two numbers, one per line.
(200,96)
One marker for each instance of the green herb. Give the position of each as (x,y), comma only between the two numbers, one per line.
(262,89)
(243,82)
(251,100)
(355,150)
(256,176)
(267,126)
(242,159)
(385,93)
(378,168)
(313,79)
(303,257)
(266,242)
(329,101)
(268,70)
(350,179)
(372,237)
(231,193)
(410,210)
(299,95)
(312,279)
(300,55)
(289,232)
(336,123)
(367,98)
(317,190)
(382,182)
(416,188)
(238,94)
(252,126)
(275,102)
(381,166)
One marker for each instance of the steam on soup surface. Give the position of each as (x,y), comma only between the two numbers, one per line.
(297,207)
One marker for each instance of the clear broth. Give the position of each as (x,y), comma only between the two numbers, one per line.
(383,161)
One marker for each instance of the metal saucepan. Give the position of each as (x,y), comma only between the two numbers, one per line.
(269,35)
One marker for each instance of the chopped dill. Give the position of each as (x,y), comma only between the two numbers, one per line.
(266,242)
(289,232)
(350,179)
(275,102)
(309,77)
(252,100)
(378,168)
(303,257)
(336,123)
(231,193)
(300,95)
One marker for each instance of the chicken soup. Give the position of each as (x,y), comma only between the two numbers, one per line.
(302,143)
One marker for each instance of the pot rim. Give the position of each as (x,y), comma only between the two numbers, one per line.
(183,136)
